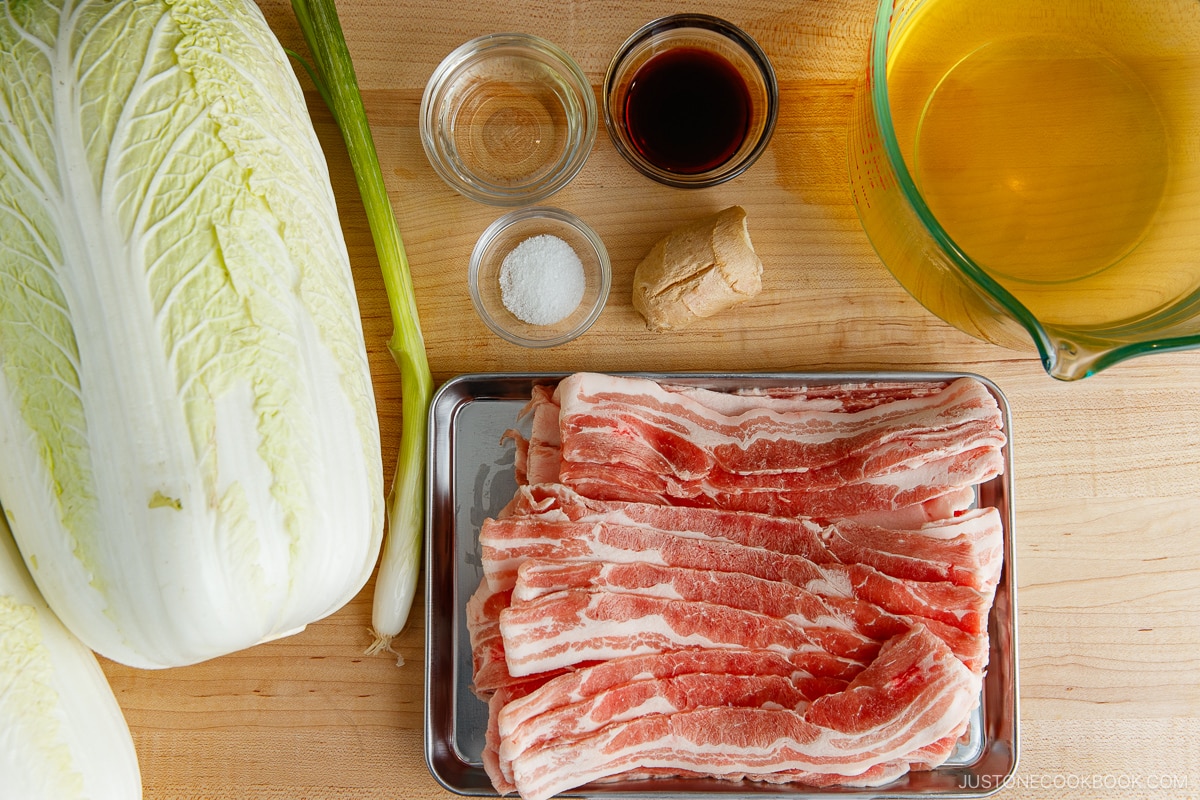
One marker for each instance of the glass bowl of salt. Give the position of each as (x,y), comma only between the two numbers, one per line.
(539,276)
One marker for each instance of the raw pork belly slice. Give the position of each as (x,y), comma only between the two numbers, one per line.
(556,498)
(887,492)
(489,663)
(686,475)
(538,456)
(489,667)
(587,698)
(648,418)
(507,543)
(844,397)
(576,626)
(666,695)
(913,696)
(775,599)
(966,548)
(599,680)
(786,585)
(680,449)
(536,459)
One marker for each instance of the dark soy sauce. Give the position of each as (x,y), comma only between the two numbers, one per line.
(687,110)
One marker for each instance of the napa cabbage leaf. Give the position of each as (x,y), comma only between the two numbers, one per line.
(62,734)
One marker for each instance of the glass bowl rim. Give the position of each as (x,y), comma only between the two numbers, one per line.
(573,159)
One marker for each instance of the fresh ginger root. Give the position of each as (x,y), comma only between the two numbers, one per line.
(697,270)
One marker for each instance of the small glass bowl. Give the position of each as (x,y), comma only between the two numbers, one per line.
(508,119)
(714,36)
(501,237)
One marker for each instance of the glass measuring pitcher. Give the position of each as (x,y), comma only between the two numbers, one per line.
(1031,170)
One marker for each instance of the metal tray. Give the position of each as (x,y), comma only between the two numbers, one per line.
(470,477)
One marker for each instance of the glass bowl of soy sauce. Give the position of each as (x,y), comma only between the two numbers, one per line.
(690,100)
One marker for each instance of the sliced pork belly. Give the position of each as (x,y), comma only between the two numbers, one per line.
(507,543)
(666,695)
(520,455)
(843,397)
(675,474)
(490,671)
(914,694)
(588,683)
(639,426)
(575,626)
(488,661)
(965,549)
(780,585)
(888,492)
(483,611)
(500,776)
(565,503)
(944,517)
(942,506)
(499,770)
(544,445)
(775,599)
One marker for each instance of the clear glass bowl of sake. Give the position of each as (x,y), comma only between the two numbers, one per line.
(508,119)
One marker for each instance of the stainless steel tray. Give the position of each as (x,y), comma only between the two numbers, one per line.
(470,477)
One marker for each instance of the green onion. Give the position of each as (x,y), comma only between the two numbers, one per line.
(396,582)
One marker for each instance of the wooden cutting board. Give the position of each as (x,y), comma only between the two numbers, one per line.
(1107,470)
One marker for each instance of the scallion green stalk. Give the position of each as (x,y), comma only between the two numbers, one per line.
(399,567)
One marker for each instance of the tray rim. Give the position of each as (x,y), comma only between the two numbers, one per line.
(465,779)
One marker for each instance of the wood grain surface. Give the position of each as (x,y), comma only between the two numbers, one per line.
(1107,471)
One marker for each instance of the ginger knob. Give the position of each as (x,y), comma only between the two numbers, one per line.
(697,270)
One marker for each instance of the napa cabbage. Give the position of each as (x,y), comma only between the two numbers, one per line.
(62,734)
(189,447)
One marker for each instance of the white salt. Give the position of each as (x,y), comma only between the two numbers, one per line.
(541,280)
